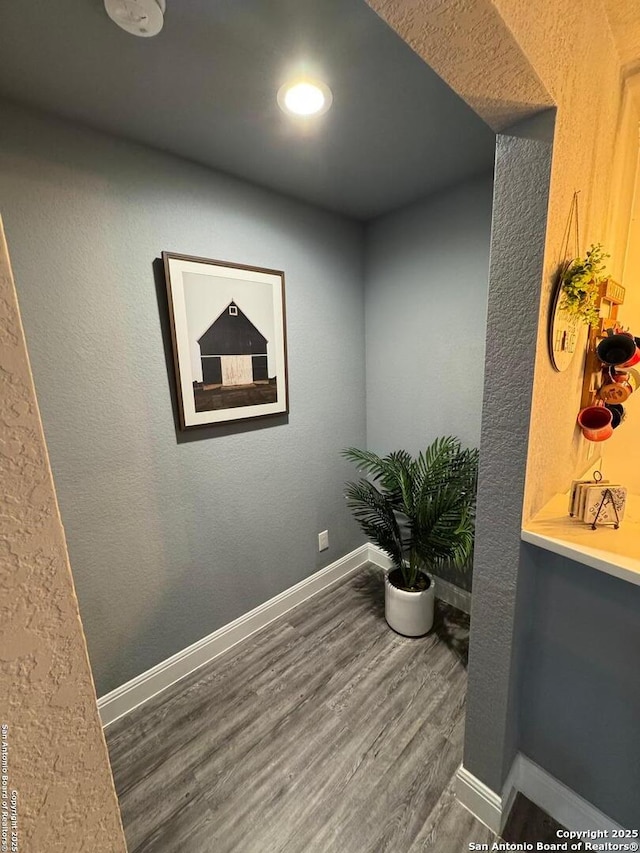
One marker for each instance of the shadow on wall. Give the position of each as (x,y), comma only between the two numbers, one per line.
(217,430)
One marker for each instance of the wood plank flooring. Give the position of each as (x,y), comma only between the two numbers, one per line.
(324,733)
(529,823)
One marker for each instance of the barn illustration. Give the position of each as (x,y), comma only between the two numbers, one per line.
(233,351)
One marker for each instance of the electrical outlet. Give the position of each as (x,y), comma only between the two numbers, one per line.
(323,540)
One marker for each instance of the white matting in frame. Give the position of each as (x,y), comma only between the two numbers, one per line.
(228,330)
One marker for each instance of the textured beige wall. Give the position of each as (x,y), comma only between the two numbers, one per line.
(621,460)
(57,758)
(595,151)
(503,58)
(467,44)
(624,17)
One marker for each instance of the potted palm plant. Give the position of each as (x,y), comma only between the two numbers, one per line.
(421,512)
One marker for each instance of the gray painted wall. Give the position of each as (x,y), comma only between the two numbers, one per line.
(170,540)
(499,603)
(427,274)
(579,683)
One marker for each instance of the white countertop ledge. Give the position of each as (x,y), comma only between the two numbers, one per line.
(615,552)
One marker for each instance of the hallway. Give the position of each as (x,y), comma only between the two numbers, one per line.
(324,733)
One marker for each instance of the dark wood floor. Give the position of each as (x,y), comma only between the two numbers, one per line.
(530,824)
(324,733)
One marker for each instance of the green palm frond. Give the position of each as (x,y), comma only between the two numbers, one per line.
(433,463)
(399,477)
(365,460)
(443,528)
(389,470)
(421,510)
(375,515)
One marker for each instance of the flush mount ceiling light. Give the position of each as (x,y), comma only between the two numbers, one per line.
(304,98)
(138,17)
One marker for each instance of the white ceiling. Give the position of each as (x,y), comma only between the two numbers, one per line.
(205,89)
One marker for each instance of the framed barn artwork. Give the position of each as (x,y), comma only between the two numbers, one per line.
(228,330)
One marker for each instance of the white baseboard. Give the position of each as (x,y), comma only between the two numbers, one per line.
(556,799)
(143,687)
(479,799)
(379,558)
(452,594)
(553,797)
(445,591)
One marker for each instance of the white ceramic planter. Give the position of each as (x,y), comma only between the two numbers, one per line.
(409,613)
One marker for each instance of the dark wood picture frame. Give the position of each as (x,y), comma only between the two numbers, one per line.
(229,340)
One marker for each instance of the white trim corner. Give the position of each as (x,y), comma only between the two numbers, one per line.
(560,802)
(483,803)
(554,797)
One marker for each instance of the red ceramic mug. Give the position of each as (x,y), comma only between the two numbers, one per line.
(595,423)
(619,386)
(635,358)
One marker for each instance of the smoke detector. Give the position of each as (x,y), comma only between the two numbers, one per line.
(138,17)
